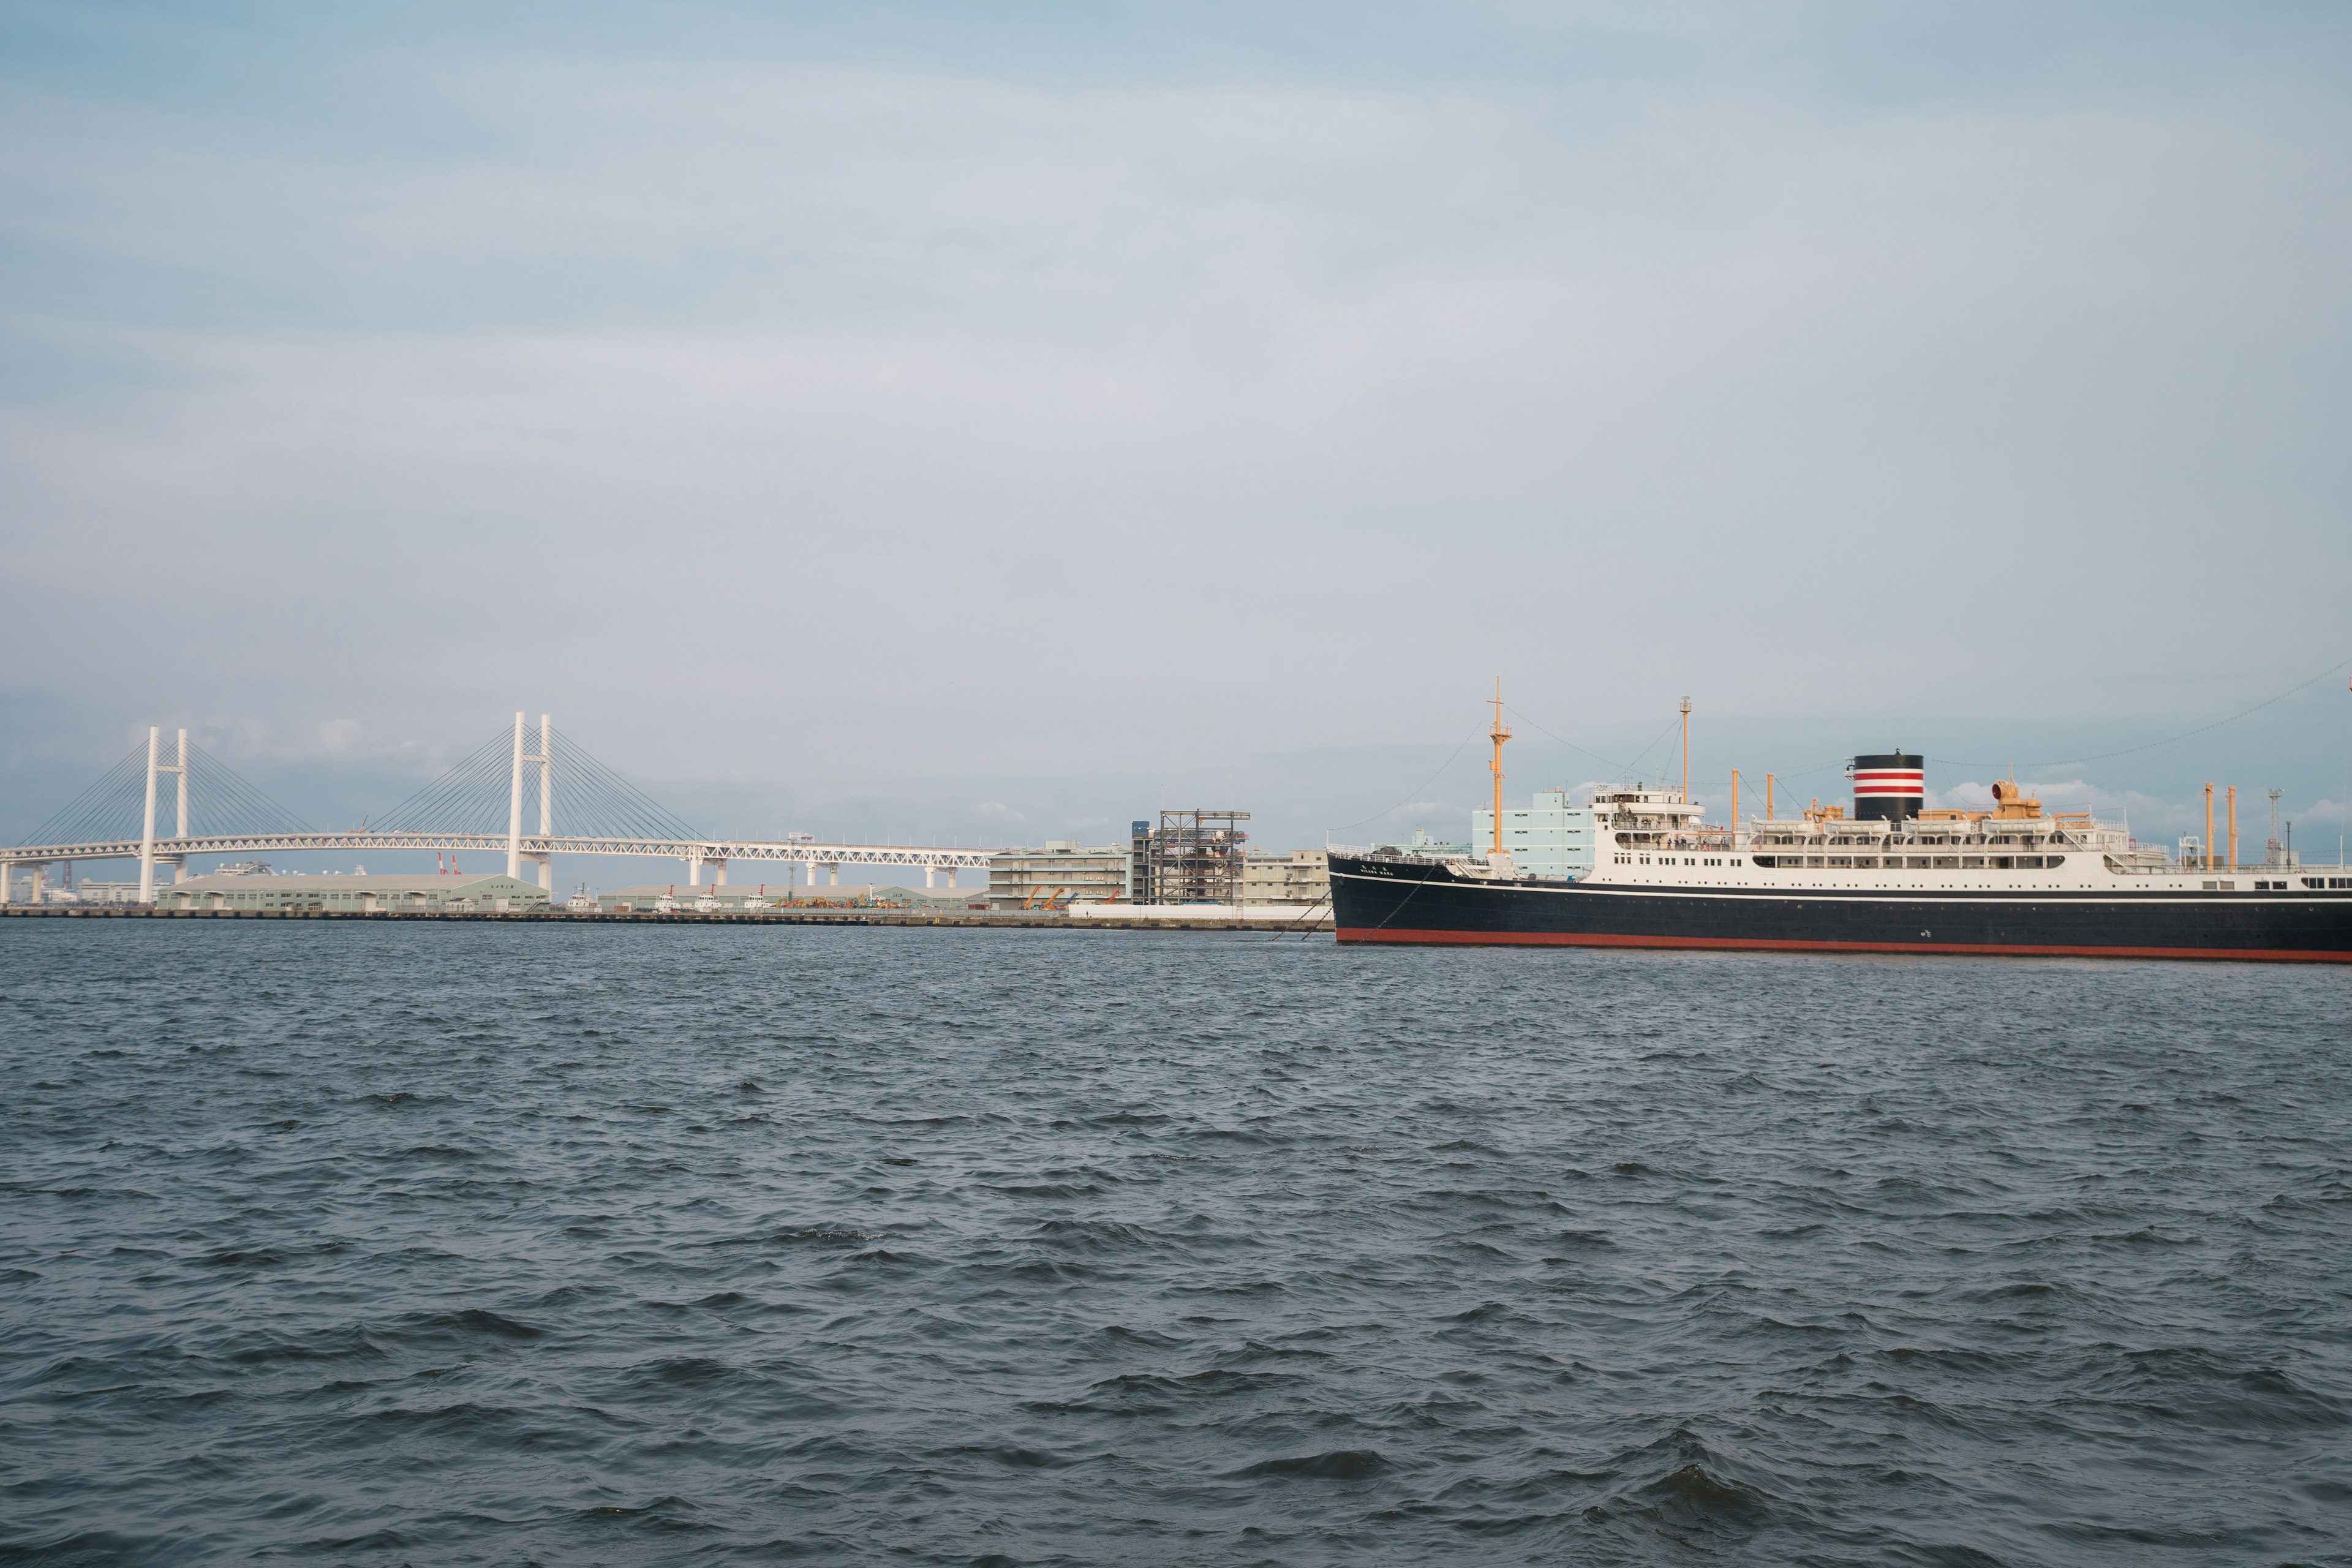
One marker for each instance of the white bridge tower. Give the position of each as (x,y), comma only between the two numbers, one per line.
(515,855)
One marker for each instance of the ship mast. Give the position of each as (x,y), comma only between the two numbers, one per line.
(1686,750)
(1500,734)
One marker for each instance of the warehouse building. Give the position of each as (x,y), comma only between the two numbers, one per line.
(1301,877)
(359,894)
(1063,872)
(662,898)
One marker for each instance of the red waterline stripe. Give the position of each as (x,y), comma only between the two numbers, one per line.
(1786,944)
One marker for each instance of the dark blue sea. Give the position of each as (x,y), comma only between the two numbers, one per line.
(377,1244)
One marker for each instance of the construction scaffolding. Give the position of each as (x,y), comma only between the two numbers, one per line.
(1191,858)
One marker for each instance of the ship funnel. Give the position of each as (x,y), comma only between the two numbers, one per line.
(1890,786)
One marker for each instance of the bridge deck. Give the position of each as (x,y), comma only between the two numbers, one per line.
(708,851)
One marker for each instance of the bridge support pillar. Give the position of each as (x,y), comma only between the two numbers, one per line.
(693,870)
(147,843)
(514,809)
(7,880)
(718,873)
(810,866)
(930,876)
(835,869)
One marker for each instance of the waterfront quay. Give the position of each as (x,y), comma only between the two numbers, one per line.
(1036,920)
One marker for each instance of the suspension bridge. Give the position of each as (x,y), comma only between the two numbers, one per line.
(479,805)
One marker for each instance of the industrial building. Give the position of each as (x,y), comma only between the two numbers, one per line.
(1193,857)
(35,889)
(1301,877)
(1550,838)
(1063,873)
(427,894)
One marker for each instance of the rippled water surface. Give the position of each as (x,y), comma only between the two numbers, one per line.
(376,1244)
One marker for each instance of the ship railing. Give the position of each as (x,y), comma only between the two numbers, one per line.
(1389,851)
(2078,841)
(2122,866)
(1722,842)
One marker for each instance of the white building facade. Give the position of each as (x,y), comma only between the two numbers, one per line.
(1549,839)
(1299,878)
(1063,873)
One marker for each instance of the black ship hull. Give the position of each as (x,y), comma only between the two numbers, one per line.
(1385,899)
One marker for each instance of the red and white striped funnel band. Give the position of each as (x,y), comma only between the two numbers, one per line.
(1890,781)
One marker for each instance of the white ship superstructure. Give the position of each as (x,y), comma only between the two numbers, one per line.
(1653,838)
(1888,875)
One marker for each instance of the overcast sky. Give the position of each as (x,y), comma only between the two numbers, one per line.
(993,423)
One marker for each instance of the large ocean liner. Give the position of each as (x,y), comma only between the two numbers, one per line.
(1888,876)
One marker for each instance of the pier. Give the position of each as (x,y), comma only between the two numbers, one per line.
(869,917)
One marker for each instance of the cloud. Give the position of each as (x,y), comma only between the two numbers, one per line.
(2332,812)
(751,413)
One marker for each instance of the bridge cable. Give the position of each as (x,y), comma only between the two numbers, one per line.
(102,802)
(590,800)
(227,803)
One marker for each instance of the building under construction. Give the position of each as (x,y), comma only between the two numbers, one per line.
(1192,857)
